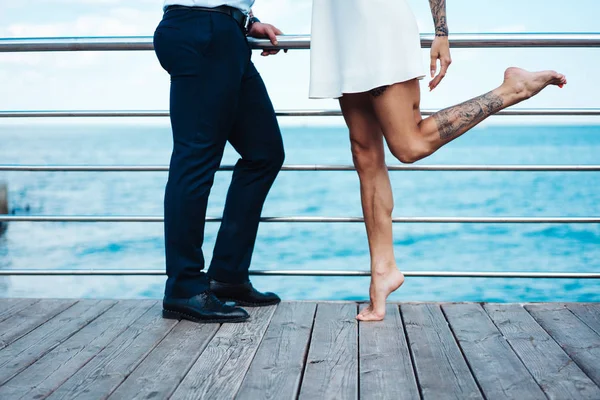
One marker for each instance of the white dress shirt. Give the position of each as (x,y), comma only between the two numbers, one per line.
(243,5)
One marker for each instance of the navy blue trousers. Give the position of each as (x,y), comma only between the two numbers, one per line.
(216,96)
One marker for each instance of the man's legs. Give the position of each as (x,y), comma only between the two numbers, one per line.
(257,138)
(206,57)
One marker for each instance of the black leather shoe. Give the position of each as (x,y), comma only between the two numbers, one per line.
(205,307)
(243,294)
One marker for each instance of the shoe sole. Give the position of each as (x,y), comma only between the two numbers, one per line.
(247,304)
(167,314)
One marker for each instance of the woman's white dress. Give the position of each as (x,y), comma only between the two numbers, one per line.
(359,45)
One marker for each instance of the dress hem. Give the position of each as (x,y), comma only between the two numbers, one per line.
(362,89)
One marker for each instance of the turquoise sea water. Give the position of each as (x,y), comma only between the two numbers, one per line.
(448,247)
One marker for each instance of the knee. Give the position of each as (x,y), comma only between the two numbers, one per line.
(366,157)
(410,152)
(272,161)
(406,157)
(277,158)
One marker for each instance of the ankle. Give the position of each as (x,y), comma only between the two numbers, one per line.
(382,269)
(512,93)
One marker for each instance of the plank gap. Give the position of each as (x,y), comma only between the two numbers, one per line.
(310,336)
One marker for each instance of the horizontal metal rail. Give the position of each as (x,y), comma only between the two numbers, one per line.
(408,220)
(308,167)
(302,42)
(565,112)
(308,273)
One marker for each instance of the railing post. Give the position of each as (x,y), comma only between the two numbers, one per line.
(3,205)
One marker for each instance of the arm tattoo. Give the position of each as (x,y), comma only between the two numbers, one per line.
(455,120)
(378,91)
(438,11)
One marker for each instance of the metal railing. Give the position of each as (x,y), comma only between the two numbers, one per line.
(492,40)
(539,112)
(311,168)
(302,42)
(305,220)
(311,273)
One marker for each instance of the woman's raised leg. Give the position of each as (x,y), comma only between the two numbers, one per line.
(377,202)
(411,138)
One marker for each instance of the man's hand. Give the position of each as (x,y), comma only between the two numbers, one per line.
(440,50)
(260,30)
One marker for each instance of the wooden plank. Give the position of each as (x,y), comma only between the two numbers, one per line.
(588,313)
(577,339)
(6,303)
(165,367)
(385,366)
(220,369)
(49,372)
(105,372)
(554,371)
(497,369)
(10,306)
(277,368)
(332,364)
(442,370)
(25,351)
(29,318)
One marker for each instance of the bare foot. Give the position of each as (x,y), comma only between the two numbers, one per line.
(524,84)
(382,284)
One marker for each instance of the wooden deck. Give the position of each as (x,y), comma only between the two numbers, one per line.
(124,350)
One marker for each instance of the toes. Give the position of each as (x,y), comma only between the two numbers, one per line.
(370,317)
(560,79)
(369,314)
(364,315)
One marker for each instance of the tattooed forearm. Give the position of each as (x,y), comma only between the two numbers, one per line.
(455,120)
(438,11)
(378,91)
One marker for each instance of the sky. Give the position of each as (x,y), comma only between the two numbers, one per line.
(135,81)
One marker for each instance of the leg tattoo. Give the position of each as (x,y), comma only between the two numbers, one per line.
(378,91)
(452,121)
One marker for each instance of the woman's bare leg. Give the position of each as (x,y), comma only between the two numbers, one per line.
(376,194)
(411,138)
